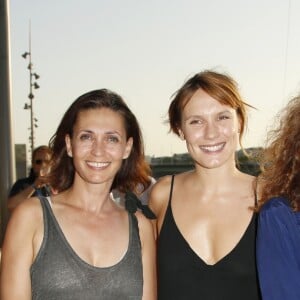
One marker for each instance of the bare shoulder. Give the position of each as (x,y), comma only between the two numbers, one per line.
(142,220)
(159,194)
(247,189)
(19,249)
(24,225)
(145,226)
(162,182)
(246,180)
(28,213)
(26,221)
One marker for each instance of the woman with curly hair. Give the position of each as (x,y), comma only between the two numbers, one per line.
(278,238)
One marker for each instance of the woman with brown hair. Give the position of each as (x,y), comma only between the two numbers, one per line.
(278,237)
(78,243)
(206,229)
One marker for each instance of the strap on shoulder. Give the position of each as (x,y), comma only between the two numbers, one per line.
(132,203)
(171,188)
(255,182)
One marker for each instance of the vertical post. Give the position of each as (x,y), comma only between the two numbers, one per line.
(30,96)
(7,151)
(32,85)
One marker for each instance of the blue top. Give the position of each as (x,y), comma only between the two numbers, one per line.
(278,251)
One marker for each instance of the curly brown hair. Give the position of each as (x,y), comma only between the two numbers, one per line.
(280,162)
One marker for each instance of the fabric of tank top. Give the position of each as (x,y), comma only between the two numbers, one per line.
(59,273)
(183,275)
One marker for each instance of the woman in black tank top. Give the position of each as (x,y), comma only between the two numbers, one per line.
(205,221)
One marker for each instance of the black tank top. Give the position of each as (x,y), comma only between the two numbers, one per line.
(59,273)
(183,275)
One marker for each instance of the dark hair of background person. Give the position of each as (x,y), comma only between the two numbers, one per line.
(221,87)
(134,170)
(280,162)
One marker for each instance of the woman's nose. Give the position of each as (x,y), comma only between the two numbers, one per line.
(98,147)
(211,130)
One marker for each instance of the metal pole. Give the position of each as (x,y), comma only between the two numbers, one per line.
(31,94)
(32,85)
(7,151)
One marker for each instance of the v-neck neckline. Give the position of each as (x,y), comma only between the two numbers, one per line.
(199,258)
(48,204)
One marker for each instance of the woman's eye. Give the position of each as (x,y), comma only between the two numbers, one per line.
(112,139)
(196,121)
(224,117)
(85,137)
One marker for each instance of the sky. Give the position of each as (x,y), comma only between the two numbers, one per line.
(144,51)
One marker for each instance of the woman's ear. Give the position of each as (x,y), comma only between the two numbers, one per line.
(128,148)
(239,126)
(68,145)
(181,134)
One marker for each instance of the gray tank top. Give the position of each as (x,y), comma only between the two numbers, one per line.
(59,273)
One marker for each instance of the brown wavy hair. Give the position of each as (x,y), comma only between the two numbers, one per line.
(280,162)
(134,170)
(221,87)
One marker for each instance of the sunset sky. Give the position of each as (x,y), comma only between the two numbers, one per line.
(145,50)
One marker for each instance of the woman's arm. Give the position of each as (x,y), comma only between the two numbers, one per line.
(18,253)
(18,198)
(278,256)
(148,258)
(158,201)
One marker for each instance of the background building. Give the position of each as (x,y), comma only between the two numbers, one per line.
(247,162)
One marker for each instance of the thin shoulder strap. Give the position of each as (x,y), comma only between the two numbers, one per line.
(255,192)
(132,203)
(171,188)
(49,200)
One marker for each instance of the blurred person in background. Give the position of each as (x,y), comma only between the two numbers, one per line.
(36,182)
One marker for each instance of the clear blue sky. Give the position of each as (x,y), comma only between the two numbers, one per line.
(145,50)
